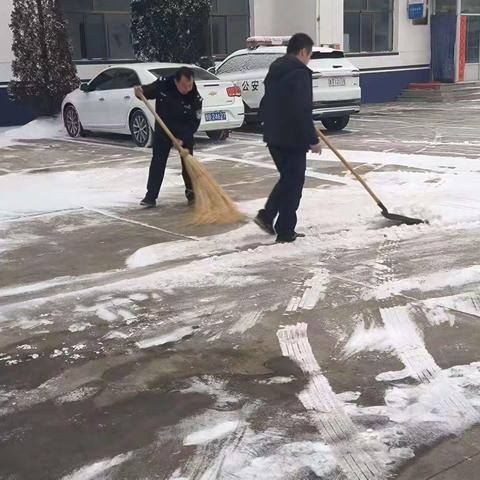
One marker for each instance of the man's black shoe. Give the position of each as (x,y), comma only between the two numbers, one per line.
(147,202)
(289,238)
(265,226)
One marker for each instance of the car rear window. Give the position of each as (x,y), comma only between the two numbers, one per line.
(321,55)
(200,74)
(248,61)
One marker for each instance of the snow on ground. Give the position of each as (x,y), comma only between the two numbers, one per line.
(439,402)
(44,127)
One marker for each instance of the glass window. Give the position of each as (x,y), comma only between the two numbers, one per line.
(383,32)
(366,32)
(125,78)
(119,36)
(96,44)
(219,35)
(76,32)
(200,73)
(470,6)
(260,61)
(229,26)
(368,25)
(445,6)
(104,81)
(230,7)
(113,5)
(247,62)
(473,40)
(355,4)
(322,55)
(237,30)
(76,5)
(235,64)
(351,36)
(98,35)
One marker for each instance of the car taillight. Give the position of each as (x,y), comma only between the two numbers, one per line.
(234,91)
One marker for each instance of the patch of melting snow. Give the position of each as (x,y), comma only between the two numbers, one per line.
(288,460)
(211,433)
(98,469)
(115,335)
(26,324)
(174,336)
(78,395)
(139,297)
(277,380)
(212,386)
(370,339)
(79,327)
(429,282)
(79,346)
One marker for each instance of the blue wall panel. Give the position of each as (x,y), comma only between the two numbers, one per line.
(387,86)
(13,113)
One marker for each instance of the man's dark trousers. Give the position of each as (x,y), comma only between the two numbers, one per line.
(285,198)
(161,151)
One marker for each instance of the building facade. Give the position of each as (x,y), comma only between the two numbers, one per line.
(392,42)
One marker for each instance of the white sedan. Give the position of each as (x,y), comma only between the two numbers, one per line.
(107,103)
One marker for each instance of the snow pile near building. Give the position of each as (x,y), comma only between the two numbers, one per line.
(40,128)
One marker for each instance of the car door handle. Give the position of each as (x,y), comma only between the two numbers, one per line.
(101,99)
(127,97)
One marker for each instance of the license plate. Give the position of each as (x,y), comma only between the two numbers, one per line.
(336,82)
(215,116)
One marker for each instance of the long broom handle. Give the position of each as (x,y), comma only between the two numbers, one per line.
(344,161)
(182,151)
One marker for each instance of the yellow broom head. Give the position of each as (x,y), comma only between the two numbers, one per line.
(212,204)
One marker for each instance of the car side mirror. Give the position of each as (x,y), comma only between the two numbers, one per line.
(84,87)
(212,70)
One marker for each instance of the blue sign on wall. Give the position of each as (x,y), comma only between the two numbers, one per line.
(416,11)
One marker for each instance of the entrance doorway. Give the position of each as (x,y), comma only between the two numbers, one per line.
(472,54)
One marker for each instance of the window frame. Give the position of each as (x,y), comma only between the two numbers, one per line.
(372,13)
(83,40)
(218,13)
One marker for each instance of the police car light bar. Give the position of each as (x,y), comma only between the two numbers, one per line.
(254,42)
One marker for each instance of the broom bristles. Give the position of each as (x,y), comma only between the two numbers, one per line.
(212,204)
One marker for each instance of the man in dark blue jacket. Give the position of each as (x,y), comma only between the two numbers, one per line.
(179,105)
(289,131)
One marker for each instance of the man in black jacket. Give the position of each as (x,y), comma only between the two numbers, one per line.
(179,105)
(289,131)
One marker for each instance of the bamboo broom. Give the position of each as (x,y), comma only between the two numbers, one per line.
(212,204)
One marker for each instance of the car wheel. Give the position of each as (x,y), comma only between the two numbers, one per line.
(218,135)
(336,123)
(72,123)
(140,129)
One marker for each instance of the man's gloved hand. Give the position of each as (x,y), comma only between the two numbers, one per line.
(138,92)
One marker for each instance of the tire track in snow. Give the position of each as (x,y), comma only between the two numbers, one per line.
(327,412)
(246,322)
(310,293)
(207,464)
(410,348)
(420,365)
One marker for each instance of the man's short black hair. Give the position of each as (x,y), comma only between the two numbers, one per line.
(186,72)
(298,42)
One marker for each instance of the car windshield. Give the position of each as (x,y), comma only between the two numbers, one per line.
(200,74)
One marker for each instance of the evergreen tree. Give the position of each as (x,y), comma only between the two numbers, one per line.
(169,30)
(43,67)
